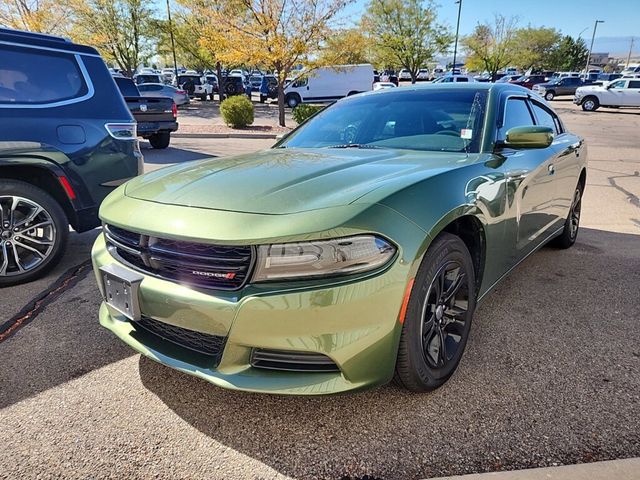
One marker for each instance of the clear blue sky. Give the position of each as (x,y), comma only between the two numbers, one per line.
(622,17)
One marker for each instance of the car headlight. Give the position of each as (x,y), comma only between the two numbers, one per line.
(322,258)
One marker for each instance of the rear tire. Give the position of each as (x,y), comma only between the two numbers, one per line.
(590,104)
(53,230)
(572,224)
(438,317)
(160,140)
(550,95)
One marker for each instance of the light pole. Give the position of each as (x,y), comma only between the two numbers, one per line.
(455,48)
(173,44)
(595,26)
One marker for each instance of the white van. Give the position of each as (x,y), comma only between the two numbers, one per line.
(329,84)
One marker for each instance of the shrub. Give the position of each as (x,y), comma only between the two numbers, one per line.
(237,111)
(304,111)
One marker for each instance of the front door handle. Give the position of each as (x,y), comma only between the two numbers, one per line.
(551,169)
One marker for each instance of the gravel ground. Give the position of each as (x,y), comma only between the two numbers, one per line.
(551,376)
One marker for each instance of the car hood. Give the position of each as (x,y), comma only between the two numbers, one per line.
(590,88)
(281,181)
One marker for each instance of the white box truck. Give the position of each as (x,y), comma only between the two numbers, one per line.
(329,84)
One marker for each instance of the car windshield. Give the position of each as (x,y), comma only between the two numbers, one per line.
(428,120)
(195,79)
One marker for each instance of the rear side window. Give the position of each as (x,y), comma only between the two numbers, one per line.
(463,79)
(32,77)
(634,84)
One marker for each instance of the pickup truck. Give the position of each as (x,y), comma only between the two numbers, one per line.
(155,116)
(624,92)
(558,87)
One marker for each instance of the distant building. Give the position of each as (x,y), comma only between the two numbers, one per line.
(599,59)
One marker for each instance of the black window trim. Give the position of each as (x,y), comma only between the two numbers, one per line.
(554,116)
(60,103)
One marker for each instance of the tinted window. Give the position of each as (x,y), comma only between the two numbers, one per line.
(545,117)
(127,87)
(517,114)
(29,76)
(433,120)
(634,84)
(463,79)
(197,80)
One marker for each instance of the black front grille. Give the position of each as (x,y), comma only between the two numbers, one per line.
(223,267)
(292,361)
(204,343)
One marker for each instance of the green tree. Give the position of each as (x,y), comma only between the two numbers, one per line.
(491,46)
(46,16)
(535,46)
(569,55)
(121,29)
(405,33)
(347,47)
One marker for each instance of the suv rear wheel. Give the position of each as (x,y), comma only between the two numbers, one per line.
(33,232)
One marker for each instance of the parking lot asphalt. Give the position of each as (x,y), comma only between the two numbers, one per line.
(551,374)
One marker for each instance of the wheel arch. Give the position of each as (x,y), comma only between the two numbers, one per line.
(42,177)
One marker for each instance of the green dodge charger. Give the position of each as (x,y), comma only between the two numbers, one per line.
(353,252)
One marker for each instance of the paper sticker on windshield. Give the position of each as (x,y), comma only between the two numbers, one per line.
(466,133)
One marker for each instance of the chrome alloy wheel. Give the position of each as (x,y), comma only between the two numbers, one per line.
(444,315)
(27,235)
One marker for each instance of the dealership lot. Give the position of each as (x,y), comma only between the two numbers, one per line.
(551,374)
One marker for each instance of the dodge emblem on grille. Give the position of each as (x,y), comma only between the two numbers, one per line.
(228,276)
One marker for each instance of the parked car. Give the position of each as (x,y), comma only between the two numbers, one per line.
(212,79)
(607,77)
(195,86)
(156,117)
(255,81)
(147,78)
(423,74)
(624,92)
(631,70)
(437,73)
(558,75)
(329,84)
(528,81)
(383,85)
(501,78)
(268,88)
(67,140)
(558,87)
(376,227)
(404,74)
(180,97)
(168,75)
(449,78)
(235,85)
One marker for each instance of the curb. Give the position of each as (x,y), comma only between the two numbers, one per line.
(272,136)
(626,469)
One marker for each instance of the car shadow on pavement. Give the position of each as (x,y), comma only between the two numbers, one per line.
(551,375)
(171,155)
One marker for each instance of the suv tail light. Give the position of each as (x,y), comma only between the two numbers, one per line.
(180,92)
(174,110)
(122,131)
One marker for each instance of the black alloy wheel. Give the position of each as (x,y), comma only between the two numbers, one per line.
(438,317)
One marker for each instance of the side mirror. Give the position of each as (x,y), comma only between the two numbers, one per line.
(529,137)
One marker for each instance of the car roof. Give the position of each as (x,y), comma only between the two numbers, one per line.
(51,42)
(160,84)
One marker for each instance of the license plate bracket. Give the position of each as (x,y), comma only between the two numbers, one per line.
(121,288)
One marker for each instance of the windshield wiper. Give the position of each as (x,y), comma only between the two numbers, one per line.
(354,145)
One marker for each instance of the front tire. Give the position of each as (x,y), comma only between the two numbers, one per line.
(438,318)
(33,232)
(292,100)
(160,140)
(550,95)
(590,104)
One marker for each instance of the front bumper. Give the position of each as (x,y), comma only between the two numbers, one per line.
(354,324)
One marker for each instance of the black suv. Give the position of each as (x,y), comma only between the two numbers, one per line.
(67,139)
